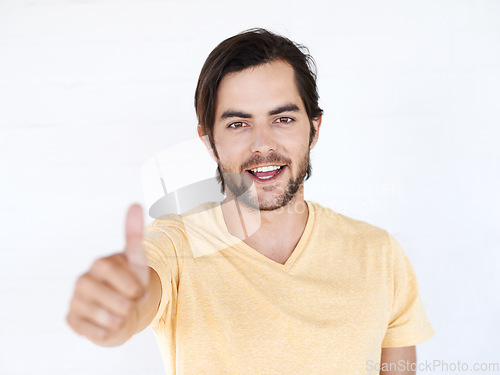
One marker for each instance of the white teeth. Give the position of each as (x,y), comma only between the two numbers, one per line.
(266,169)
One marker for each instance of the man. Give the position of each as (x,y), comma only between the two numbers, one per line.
(264,282)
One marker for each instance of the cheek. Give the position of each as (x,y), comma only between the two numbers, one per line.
(297,147)
(230,146)
(297,139)
(229,154)
(299,155)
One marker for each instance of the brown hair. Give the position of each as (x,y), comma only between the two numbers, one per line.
(247,49)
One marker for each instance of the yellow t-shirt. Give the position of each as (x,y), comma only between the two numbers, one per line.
(346,291)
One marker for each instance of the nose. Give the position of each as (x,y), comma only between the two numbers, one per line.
(263,139)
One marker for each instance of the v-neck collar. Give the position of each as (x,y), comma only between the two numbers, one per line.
(304,238)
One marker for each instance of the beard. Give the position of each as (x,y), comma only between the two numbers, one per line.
(241,185)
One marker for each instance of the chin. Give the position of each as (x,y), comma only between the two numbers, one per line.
(269,203)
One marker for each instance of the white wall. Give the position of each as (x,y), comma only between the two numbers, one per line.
(90,89)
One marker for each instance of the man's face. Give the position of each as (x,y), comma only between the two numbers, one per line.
(261,122)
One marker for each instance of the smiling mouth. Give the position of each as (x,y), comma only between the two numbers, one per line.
(266,174)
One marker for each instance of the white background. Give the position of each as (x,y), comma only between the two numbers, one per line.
(89,90)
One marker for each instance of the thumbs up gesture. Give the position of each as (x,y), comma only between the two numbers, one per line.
(109,297)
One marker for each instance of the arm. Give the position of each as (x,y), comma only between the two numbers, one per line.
(146,311)
(398,361)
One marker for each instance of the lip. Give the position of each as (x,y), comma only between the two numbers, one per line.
(265,165)
(269,180)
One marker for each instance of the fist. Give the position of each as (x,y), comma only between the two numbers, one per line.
(105,301)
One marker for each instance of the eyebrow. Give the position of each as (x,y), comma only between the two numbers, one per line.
(284,108)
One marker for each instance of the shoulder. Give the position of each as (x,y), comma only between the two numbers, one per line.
(173,228)
(172,236)
(178,220)
(331,221)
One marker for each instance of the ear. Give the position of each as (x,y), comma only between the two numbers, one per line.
(206,141)
(316,124)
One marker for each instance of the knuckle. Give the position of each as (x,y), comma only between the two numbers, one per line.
(101,317)
(137,290)
(74,324)
(109,320)
(82,282)
(132,288)
(126,306)
(100,265)
(118,323)
(118,257)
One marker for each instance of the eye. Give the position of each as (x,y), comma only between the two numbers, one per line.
(285,120)
(235,125)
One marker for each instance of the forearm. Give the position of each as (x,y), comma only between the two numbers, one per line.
(398,361)
(147,308)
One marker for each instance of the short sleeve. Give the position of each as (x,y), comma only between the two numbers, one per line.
(408,323)
(161,254)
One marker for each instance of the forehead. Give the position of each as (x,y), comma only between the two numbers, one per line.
(258,89)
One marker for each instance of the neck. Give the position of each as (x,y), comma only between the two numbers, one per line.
(284,225)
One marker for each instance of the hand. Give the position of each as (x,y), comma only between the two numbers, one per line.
(105,300)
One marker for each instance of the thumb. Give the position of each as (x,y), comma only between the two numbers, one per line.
(134,252)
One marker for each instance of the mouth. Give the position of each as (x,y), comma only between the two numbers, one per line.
(266,174)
